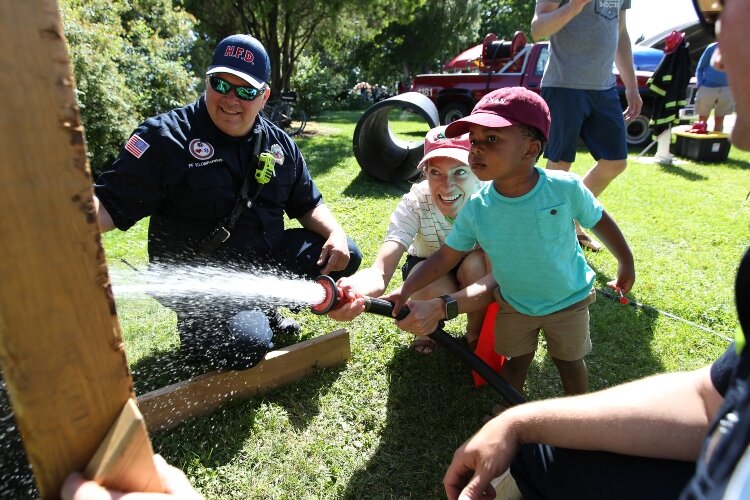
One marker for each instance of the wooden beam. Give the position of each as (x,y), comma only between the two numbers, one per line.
(61,350)
(169,406)
(124,460)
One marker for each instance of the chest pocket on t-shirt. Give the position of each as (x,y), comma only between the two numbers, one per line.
(554,222)
(210,193)
(608,9)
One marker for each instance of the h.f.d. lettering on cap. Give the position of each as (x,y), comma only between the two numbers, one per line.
(243,56)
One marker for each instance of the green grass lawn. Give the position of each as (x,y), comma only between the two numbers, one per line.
(387,423)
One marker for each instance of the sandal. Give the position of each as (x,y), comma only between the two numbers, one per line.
(588,244)
(423,345)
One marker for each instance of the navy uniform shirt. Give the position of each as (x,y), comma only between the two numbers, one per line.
(723,468)
(183,172)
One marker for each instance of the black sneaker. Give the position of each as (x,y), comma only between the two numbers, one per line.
(281,325)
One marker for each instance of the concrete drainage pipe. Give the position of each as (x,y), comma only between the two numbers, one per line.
(379,152)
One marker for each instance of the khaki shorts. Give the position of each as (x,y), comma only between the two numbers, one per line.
(566,331)
(717,98)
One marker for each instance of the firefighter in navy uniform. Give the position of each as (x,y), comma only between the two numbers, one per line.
(216,178)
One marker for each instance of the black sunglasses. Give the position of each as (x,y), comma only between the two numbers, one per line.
(244,92)
(708,12)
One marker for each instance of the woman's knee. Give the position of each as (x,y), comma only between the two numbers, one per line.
(473,267)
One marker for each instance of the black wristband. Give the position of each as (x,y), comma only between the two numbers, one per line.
(451,307)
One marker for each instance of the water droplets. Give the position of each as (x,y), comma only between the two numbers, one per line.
(206,282)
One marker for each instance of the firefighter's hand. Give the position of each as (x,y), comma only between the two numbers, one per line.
(335,253)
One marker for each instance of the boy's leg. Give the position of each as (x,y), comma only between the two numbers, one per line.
(544,472)
(516,338)
(574,375)
(568,342)
(516,369)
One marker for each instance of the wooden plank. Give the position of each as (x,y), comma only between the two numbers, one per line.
(124,460)
(169,406)
(61,350)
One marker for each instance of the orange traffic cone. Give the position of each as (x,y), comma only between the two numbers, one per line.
(486,345)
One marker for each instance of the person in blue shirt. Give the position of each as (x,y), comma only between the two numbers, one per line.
(192,170)
(524,220)
(712,91)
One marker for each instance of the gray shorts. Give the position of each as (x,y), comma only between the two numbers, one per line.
(717,98)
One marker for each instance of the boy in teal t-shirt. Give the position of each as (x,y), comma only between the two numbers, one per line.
(524,221)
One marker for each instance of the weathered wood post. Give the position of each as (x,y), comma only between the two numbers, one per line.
(61,350)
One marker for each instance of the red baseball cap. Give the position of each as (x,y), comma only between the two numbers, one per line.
(505,107)
(437,144)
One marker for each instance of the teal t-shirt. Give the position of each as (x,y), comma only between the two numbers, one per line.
(531,240)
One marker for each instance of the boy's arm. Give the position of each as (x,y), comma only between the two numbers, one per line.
(609,234)
(431,269)
(549,17)
(425,315)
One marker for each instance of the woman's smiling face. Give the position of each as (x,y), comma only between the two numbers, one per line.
(451,183)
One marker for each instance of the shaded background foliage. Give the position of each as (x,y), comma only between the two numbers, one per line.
(137,58)
(131,60)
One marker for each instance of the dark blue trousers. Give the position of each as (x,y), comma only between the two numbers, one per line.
(545,472)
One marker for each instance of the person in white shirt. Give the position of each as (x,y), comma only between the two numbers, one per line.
(419,225)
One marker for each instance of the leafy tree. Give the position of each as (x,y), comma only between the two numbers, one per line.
(130,60)
(287,28)
(505,17)
(439,29)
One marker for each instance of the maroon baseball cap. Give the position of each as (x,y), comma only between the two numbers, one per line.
(505,107)
(437,144)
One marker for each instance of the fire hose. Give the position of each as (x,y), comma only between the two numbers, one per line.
(335,298)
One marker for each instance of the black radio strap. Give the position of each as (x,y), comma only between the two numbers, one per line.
(224,231)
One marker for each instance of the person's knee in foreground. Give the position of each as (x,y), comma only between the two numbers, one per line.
(216,179)
(586,38)
(675,434)
(418,226)
(524,222)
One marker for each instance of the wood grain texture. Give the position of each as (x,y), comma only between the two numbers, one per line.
(60,345)
(171,405)
(124,460)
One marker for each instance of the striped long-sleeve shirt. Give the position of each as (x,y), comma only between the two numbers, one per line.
(417,224)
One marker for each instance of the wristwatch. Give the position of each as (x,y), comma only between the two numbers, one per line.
(451,307)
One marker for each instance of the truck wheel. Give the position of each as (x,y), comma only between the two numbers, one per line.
(639,131)
(452,112)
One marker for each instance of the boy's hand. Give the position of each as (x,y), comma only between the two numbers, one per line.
(625,279)
(397,298)
(424,316)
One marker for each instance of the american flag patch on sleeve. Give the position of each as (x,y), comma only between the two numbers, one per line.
(136,146)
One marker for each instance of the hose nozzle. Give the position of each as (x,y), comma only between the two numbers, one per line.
(335,298)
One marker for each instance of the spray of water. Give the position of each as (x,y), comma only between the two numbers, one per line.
(200,286)
(186,282)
